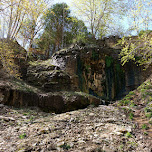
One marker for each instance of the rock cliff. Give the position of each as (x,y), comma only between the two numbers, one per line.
(74,78)
(94,70)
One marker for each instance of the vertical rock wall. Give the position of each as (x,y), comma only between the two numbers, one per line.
(93,70)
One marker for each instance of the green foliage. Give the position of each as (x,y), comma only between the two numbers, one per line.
(131,93)
(10,54)
(98,14)
(109,61)
(87,68)
(65,146)
(150,122)
(95,55)
(143,32)
(15,12)
(144,126)
(148,115)
(80,37)
(61,29)
(131,115)
(145,133)
(121,147)
(148,109)
(127,100)
(137,49)
(145,85)
(22,136)
(128,135)
(132,104)
(118,67)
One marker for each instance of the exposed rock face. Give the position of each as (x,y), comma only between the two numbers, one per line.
(51,81)
(94,70)
(48,77)
(19,94)
(135,75)
(86,69)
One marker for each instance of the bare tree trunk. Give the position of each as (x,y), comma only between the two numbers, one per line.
(10,23)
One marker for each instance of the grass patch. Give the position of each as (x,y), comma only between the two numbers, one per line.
(145,133)
(149,115)
(65,146)
(144,126)
(131,115)
(22,136)
(128,135)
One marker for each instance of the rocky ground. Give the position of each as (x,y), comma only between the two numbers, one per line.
(94,129)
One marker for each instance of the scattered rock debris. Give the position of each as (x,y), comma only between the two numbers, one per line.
(94,129)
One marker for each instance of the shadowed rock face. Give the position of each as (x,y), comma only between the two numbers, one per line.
(95,70)
(50,102)
(74,78)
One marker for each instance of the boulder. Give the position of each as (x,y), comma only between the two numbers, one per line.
(48,77)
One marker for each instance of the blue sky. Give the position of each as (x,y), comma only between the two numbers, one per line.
(69,3)
(124,22)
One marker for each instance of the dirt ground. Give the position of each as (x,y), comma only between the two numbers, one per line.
(94,129)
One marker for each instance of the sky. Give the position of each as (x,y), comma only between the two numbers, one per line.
(60,1)
(124,22)
(69,3)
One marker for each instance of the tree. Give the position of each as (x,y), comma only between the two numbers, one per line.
(139,15)
(98,14)
(12,55)
(76,31)
(15,12)
(60,29)
(139,48)
(56,23)
(34,23)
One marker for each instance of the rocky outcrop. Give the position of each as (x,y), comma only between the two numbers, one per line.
(77,68)
(53,86)
(19,94)
(95,70)
(48,77)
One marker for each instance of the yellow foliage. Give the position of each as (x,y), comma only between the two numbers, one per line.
(138,49)
(8,58)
